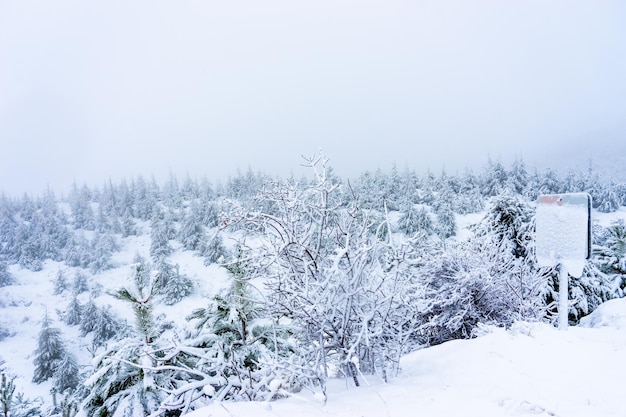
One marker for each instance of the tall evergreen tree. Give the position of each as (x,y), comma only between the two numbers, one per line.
(494,179)
(88,318)
(104,245)
(105,327)
(518,177)
(191,231)
(159,235)
(49,352)
(608,201)
(446,221)
(67,374)
(73,313)
(129,227)
(80,204)
(550,182)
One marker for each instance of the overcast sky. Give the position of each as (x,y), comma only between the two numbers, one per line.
(110,89)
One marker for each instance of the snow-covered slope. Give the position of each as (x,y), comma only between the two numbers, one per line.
(23,306)
(529,370)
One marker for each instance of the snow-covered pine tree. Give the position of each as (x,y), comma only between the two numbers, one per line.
(586,293)
(28,247)
(234,352)
(172,284)
(469,198)
(120,386)
(14,404)
(103,247)
(550,182)
(7,389)
(88,317)
(494,179)
(79,285)
(124,382)
(80,204)
(67,373)
(189,189)
(212,248)
(159,235)
(5,276)
(73,312)
(416,219)
(142,197)
(102,221)
(105,327)
(446,221)
(210,217)
(191,231)
(518,177)
(573,182)
(610,252)
(509,219)
(608,201)
(128,226)
(60,283)
(141,301)
(49,352)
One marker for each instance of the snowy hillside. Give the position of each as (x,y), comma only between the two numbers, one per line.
(424,291)
(529,370)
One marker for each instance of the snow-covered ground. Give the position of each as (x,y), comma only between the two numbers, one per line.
(529,370)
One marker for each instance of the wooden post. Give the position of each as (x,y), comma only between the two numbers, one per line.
(563,297)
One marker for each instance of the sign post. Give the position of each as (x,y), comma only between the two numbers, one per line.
(563,238)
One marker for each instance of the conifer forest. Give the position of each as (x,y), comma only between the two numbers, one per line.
(156,299)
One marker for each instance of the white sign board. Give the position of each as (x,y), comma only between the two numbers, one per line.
(563,231)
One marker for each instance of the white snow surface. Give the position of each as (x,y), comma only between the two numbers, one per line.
(532,369)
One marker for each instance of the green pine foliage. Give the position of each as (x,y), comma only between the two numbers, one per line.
(141,300)
(236,329)
(124,382)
